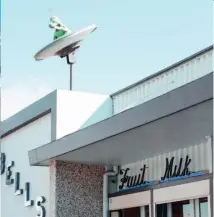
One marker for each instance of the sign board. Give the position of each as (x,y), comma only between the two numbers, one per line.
(183,163)
(9,180)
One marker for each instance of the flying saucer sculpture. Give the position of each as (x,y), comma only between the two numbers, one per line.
(65,43)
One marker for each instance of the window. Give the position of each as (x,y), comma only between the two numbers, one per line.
(181,209)
(132,212)
(161,210)
(177,209)
(203,207)
(185,208)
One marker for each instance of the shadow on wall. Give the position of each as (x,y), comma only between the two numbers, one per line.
(103,112)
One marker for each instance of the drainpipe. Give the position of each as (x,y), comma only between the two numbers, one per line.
(108,172)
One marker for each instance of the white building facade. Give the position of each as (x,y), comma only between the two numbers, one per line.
(145,151)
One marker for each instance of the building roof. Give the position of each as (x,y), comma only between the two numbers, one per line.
(174,120)
(207,49)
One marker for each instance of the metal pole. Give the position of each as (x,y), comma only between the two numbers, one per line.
(71,76)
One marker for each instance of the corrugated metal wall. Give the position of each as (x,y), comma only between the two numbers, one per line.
(201,155)
(163,83)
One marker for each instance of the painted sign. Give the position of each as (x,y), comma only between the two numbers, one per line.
(40,209)
(168,166)
(172,172)
(131,181)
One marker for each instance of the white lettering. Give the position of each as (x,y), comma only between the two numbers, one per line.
(39,208)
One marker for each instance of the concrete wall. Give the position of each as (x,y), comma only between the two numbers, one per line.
(76,110)
(76,190)
(16,147)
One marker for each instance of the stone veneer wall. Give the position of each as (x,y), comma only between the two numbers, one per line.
(76,190)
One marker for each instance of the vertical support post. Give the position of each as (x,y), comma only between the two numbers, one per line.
(70,61)
(169,209)
(209,206)
(153,210)
(152,206)
(71,77)
(211,197)
(192,208)
(197,208)
(142,211)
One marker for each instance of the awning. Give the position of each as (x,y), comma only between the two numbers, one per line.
(178,119)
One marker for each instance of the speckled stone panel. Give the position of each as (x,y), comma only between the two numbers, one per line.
(52,188)
(77,190)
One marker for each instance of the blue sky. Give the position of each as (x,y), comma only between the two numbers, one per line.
(0,14)
(134,39)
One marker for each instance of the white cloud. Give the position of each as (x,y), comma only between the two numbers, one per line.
(16,97)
